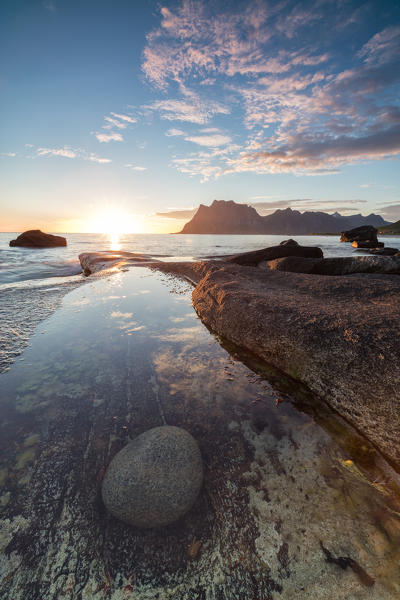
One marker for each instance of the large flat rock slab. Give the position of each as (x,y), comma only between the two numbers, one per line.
(338,335)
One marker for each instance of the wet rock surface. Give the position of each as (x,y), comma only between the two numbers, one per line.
(94,262)
(34,238)
(339,335)
(155,479)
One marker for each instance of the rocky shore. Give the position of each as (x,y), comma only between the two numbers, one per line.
(295,503)
(337,334)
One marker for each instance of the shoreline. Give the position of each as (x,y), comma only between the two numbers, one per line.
(339,335)
(276,483)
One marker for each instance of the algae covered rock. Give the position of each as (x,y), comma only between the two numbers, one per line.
(155,479)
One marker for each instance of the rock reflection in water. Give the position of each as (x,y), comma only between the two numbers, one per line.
(113,362)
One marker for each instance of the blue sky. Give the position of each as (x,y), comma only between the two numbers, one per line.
(139,108)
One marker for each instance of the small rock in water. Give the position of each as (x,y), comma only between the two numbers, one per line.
(155,479)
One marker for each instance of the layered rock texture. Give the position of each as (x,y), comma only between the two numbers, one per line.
(34,238)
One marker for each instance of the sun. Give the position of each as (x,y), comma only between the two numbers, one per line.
(115,222)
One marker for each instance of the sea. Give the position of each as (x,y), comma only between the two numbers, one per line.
(34,281)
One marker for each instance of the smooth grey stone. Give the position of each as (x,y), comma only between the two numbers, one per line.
(155,479)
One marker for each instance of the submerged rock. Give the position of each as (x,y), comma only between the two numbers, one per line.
(34,238)
(155,479)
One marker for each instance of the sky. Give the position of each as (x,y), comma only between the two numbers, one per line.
(129,114)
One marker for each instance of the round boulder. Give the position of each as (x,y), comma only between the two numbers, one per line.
(155,479)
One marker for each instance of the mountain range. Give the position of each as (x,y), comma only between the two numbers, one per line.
(228,217)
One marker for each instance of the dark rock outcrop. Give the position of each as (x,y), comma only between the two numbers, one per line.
(155,479)
(34,238)
(291,264)
(345,265)
(366,233)
(287,248)
(338,335)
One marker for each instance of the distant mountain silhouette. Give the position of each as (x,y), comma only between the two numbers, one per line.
(224,217)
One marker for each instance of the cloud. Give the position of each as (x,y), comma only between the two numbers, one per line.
(301,153)
(174,132)
(136,167)
(98,159)
(108,137)
(178,214)
(391,212)
(192,110)
(382,47)
(209,140)
(11,154)
(126,118)
(113,123)
(65,152)
(300,111)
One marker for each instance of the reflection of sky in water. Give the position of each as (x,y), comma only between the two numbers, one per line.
(136,345)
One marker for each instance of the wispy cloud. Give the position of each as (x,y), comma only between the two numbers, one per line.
(174,132)
(98,159)
(178,214)
(67,152)
(10,154)
(136,167)
(192,110)
(209,140)
(109,137)
(301,112)
(125,118)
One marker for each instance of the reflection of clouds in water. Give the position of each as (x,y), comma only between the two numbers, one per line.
(177,319)
(80,302)
(126,326)
(111,297)
(131,327)
(184,334)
